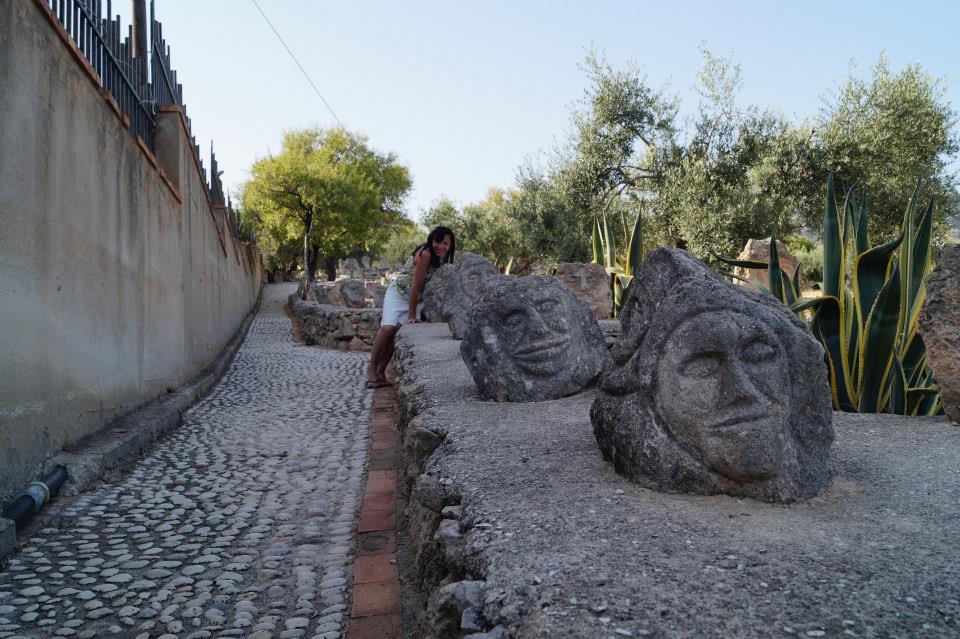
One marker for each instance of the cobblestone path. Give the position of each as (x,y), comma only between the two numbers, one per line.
(238,524)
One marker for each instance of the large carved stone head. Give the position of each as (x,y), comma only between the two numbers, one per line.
(434,292)
(531,339)
(713,388)
(590,283)
(462,286)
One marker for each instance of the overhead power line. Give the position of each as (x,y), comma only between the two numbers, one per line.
(294,58)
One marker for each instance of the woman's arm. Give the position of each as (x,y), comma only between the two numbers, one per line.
(422,261)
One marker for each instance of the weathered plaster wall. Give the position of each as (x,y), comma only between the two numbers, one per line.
(117,282)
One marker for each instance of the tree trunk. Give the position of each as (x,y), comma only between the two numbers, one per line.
(308,264)
(314,263)
(331,265)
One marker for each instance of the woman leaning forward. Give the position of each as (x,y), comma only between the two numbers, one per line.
(403,297)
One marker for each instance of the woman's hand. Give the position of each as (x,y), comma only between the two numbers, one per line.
(412,319)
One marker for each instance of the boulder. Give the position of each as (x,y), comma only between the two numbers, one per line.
(376,293)
(713,388)
(759,250)
(530,339)
(461,289)
(940,328)
(590,283)
(349,293)
(436,288)
(433,292)
(315,292)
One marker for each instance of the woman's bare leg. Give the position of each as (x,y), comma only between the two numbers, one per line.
(381,343)
(387,356)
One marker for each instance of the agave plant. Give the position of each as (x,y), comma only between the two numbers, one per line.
(780,285)
(866,317)
(605,253)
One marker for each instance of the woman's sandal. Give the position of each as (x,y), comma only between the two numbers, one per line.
(384,382)
(373,383)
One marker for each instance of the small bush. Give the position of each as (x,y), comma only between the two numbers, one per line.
(811,264)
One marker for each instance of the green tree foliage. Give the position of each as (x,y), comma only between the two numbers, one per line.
(328,189)
(617,136)
(737,172)
(401,242)
(444,212)
(551,227)
(883,135)
(485,227)
(730,175)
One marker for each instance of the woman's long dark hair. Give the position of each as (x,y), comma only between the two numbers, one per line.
(438,234)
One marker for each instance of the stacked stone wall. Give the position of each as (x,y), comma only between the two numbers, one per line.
(339,327)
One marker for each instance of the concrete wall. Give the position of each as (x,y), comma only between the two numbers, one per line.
(117,281)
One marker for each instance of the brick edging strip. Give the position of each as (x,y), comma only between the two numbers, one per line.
(375,612)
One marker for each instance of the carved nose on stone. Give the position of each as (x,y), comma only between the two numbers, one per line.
(736,388)
(537,325)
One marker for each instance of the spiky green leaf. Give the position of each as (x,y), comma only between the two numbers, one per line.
(597,244)
(635,249)
(877,352)
(870,272)
(774,274)
(832,245)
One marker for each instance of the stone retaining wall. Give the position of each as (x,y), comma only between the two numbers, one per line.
(347,329)
(513,525)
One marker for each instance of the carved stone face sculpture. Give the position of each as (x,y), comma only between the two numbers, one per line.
(534,335)
(461,290)
(736,369)
(713,388)
(531,339)
(590,283)
(434,292)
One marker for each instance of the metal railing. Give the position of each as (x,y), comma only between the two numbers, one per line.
(108,50)
(137,84)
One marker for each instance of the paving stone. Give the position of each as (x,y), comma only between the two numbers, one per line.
(239,523)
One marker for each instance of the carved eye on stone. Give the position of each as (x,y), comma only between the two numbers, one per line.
(546,307)
(758,351)
(473,278)
(515,319)
(701,365)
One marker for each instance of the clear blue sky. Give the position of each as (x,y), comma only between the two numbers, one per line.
(462,91)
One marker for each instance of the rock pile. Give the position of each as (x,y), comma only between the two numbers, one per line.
(348,329)
(347,293)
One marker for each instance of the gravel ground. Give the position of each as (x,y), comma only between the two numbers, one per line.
(563,547)
(238,524)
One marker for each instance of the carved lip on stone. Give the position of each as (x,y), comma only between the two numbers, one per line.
(743,420)
(543,349)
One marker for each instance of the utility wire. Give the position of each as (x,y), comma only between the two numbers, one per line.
(302,70)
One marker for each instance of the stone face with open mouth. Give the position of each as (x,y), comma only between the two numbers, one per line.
(530,339)
(713,388)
